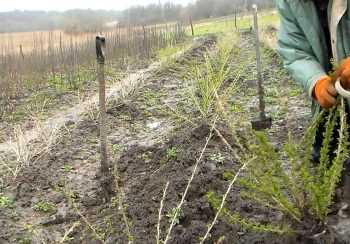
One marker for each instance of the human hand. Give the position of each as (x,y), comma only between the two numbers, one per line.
(343,72)
(325,92)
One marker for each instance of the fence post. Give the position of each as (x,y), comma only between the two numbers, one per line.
(191,23)
(105,167)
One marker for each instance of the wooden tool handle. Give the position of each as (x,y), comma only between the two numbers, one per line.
(100,45)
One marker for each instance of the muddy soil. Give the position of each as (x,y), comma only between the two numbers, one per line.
(59,199)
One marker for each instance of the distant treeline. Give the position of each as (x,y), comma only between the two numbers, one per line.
(71,21)
(95,20)
(155,13)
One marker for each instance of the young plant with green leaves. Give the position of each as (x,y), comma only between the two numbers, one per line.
(288,181)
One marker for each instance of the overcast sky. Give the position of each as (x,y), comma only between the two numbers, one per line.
(61,5)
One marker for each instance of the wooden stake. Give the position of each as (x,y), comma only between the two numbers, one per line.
(258,64)
(263,122)
(236,19)
(100,45)
(21,51)
(191,23)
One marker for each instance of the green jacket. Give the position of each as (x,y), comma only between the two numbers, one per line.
(301,42)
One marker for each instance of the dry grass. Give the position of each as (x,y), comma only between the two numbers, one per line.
(64,62)
(12,41)
(23,151)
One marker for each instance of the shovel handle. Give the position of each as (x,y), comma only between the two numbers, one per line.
(341,91)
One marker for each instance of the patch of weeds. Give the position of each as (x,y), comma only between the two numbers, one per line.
(147,156)
(278,114)
(32,232)
(34,106)
(24,241)
(217,157)
(45,207)
(5,202)
(67,168)
(228,175)
(117,149)
(175,213)
(235,108)
(70,80)
(39,103)
(150,97)
(171,153)
(166,53)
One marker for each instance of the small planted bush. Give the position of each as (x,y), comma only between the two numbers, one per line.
(288,181)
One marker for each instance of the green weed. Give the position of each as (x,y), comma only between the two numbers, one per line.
(217,157)
(71,81)
(5,202)
(228,175)
(45,207)
(67,168)
(175,213)
(171,153)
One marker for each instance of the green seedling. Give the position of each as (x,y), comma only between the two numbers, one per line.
(171,153)
(176,214)
(147,156)
(45,207)
(228,175)
(116,149)
(5,202)
(217,157)
(67,168)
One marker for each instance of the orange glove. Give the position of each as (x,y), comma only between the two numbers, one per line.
(343,72)
(325,93)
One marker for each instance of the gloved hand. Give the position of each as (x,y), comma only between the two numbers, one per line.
(343,72)
(325,93)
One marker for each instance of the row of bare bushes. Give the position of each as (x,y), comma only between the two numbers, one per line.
(58,61)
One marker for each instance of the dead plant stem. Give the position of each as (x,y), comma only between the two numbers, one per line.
(224,199)
(190,182)
(160,212)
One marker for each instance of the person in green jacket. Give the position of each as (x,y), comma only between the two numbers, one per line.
(312,33)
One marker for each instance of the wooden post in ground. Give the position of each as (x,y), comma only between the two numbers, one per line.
(258,64)
(100,45)
(21,51)
(236,19)
(191,23)
(263,122)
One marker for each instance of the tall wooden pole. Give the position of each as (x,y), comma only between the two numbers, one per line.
(100,46)
(236,19)
(258,65)
(191,23)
